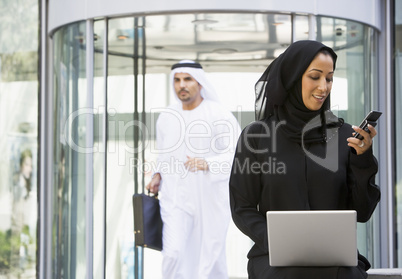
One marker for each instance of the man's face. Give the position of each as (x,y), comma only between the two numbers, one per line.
(188,90)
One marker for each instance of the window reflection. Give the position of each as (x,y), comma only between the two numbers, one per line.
(301,27)
(18,138)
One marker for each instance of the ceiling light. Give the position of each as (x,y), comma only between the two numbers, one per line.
(122,37)
(204,21)
(225,50)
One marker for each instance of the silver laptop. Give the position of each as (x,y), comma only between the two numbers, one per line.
(312,238)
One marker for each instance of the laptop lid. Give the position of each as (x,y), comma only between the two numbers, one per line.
(312,238)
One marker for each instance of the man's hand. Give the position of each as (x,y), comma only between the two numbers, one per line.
(153,186)
(194,164)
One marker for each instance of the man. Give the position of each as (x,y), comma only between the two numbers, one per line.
(196,139)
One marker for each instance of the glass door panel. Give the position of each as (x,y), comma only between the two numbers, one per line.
(69,192)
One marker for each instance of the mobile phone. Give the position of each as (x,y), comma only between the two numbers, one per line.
(371,118)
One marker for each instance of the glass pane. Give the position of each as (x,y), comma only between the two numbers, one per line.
(232,39)
(18,138)
(69,73)
(123,98)
(301,28)
(353,91)
(99,151)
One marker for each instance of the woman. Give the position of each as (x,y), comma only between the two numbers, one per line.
(300,156)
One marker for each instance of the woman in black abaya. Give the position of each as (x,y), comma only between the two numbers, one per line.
(315,163)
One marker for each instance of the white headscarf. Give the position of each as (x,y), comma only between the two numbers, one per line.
(207,91)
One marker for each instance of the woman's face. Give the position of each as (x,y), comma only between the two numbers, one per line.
(26,167)
(317,81)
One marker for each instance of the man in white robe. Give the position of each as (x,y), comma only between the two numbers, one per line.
(196,140)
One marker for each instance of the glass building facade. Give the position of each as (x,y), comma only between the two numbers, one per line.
(79,103)
(19,124)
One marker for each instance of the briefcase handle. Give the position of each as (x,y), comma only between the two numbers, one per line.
(155,195)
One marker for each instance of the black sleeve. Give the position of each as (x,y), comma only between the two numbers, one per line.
(364,193)
(245,188)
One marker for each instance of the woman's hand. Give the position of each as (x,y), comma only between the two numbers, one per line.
(363,145)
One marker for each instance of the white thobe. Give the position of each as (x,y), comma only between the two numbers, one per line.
(195,205)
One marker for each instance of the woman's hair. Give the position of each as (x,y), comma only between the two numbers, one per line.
(27,153)
(326,52)
(284,73)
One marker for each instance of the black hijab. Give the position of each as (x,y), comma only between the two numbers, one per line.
(279,93)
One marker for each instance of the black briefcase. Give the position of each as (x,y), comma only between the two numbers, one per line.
(147,221)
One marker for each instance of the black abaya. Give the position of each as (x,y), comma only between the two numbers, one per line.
(272,172)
